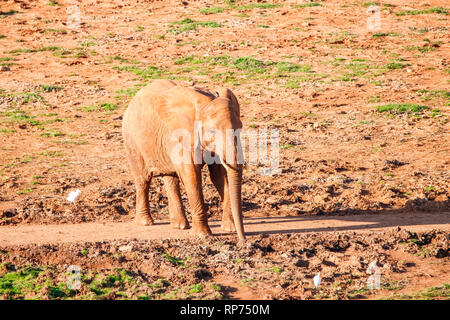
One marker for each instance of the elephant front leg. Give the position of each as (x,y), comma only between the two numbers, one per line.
(142,207)
(192,180)
(176,211)
(219,179)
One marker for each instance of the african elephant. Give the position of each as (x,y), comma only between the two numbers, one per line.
(153,115)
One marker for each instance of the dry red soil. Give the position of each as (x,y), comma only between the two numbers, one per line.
(363,118)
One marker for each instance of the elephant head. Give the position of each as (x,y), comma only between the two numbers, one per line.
(220,128)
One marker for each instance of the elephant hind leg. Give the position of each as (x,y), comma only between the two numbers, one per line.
(219,179)
(142,181)
(176,211)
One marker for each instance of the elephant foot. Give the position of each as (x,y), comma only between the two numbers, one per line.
(181,224)
(228,225)
(201,231)
(144,220)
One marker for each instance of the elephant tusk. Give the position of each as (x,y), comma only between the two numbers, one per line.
(226,166)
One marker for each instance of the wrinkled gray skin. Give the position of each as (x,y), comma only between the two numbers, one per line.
(148,124)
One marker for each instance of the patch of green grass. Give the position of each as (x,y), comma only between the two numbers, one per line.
(276,269)
(90,108)
(293,82)
(140,28)
(394,285)
(248,282)
(436,113)
(36,180)
(20,116)
(56,51)
(31,96)
(7,131)
(173,260)
(100,291)
(211,10)
(286,146)
(150,72)
(50,88)
(188,24)
(306,5)
(16,284)
(422,49)
(436,292)
(248,68)
(216,287)
(19,50)
(121,277)
(160,283)
(25,191)
(123,60)
(189,59)
(183,43)
(358,293)
(101,106)
(357,68)
(196,288)
(52,134)
(108,106)
(252,6)
(250,64)
(88,44)
(109,285)
(53,3)
(27,159)
(394,65)
(434,94)
(370,3)
(385,34)
(2,36)
(283,66)
(432,293)
(51,30)
(80,54)
(129,92)
(58,292)
(437,10)
(51,153)
(398,108)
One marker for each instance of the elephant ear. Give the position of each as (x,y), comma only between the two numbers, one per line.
(173,112)
(178,107)
(228,94)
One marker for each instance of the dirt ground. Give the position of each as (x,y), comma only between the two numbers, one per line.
(363,118)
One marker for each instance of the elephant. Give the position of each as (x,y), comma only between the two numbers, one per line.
(153,115)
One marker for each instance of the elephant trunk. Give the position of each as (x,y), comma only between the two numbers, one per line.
(234,185)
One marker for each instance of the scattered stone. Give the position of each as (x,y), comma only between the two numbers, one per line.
(392,164)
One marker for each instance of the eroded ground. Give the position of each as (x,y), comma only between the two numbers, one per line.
(411,266)
(362,116)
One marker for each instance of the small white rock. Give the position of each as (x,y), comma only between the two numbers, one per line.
(126,248)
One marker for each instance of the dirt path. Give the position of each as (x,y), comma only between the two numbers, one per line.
(90,232)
